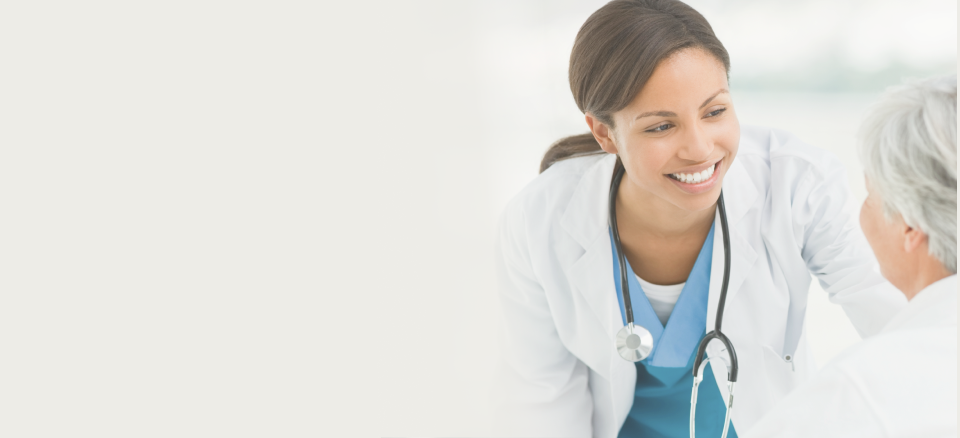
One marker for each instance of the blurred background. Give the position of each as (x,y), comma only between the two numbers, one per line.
(276,218)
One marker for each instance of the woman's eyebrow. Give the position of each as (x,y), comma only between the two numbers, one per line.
(657,113)
(673,114)
(722,90)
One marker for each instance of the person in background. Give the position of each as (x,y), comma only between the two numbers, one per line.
(902,382)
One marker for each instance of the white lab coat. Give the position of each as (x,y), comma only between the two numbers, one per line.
(789,216)
(900,383)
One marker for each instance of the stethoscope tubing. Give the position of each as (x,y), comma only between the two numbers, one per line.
(624,284)
(625,288)
(718,319)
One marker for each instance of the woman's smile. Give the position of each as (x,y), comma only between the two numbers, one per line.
(695,181)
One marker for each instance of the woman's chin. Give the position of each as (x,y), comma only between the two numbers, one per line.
(697,202)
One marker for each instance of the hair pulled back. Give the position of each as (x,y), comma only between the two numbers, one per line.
(616,52)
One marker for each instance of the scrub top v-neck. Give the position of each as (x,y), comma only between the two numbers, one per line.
(661,405)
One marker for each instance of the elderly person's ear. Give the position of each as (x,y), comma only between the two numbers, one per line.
(913,238)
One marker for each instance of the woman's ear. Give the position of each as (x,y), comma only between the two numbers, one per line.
(602,133)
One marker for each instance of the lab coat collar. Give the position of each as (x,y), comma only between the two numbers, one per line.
(586,215)
(934,306)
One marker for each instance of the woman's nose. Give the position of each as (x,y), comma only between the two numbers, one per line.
(697,146)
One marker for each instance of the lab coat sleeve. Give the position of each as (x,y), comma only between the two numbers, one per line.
(830,405)
(835,250)
(541,389)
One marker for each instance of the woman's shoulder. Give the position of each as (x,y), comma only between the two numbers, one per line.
(790,174)
(783,153)
(556,185)
(786,173)
(547,197)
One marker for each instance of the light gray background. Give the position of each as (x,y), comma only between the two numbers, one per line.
(276,218)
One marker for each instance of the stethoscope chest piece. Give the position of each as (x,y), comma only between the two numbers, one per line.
(634,343)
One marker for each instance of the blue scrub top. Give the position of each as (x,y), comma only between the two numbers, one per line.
(661,404)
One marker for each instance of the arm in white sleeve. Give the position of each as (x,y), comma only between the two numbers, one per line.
(831,405)
(541,389)
(836,252)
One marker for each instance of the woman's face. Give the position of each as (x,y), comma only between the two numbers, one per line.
(679,135)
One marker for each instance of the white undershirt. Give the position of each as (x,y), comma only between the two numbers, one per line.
(662,298)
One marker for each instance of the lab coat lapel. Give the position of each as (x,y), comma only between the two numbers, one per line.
(585,219)
(592,276)
(739,194)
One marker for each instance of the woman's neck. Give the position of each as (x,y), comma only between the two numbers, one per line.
(642,212)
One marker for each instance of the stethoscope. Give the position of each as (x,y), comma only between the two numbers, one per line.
(634,342)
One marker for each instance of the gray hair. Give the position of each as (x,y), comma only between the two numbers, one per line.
(908,147)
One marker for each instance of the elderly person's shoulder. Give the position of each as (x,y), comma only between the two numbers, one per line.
(860,393)
(919,344)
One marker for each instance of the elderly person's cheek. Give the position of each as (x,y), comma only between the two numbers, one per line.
(871,227)
(865,221)
(882,236)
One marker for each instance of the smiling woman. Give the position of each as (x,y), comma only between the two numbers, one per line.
(678,130)
(627,225)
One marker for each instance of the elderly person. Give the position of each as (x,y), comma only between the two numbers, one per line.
(903,381)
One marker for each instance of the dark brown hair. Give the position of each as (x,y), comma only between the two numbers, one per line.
(615,54)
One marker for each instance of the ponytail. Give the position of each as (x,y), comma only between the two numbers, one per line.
(570,147)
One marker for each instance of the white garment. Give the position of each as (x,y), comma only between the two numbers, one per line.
(789,215)
(900,383)
(663,298)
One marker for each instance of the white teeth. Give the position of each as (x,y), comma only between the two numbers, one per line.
(694,178)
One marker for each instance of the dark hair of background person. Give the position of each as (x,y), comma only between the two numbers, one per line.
(615,54)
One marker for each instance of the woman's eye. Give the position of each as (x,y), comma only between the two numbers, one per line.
(716,112)
(660,128)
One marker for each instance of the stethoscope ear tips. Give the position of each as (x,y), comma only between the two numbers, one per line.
(634,343)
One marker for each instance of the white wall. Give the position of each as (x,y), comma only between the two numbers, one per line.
(275,218)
